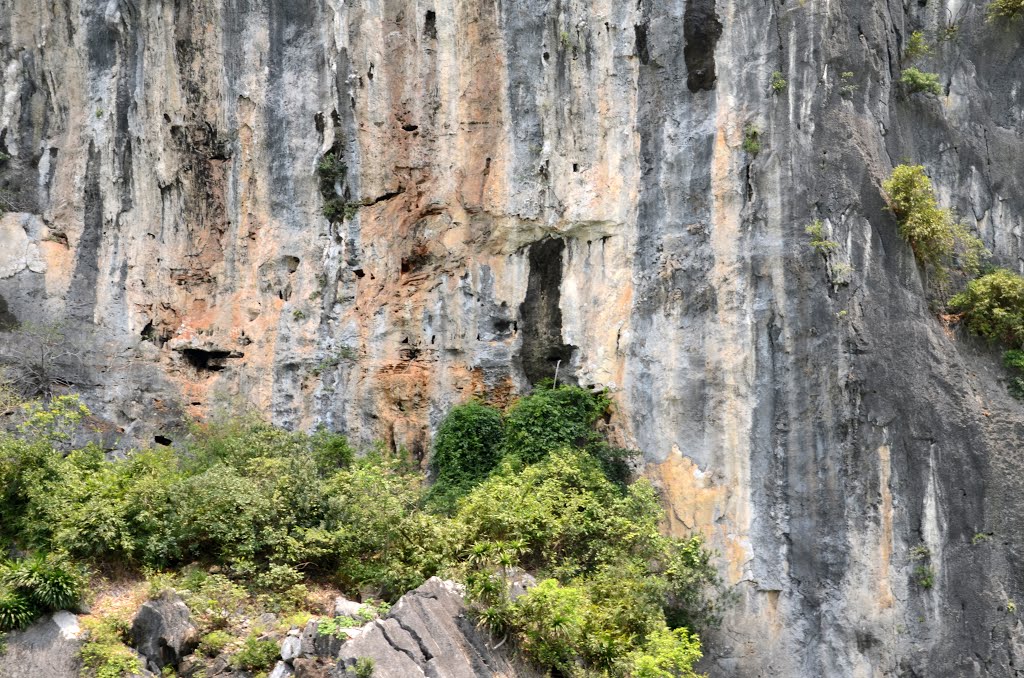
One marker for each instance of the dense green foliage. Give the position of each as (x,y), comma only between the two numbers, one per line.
(917,81)
(466,449)
(1005,9)
(613,579)
(917,46)
(993,306)
(935,236)
(37,585)
(536,487)
(256,654)
(105,653)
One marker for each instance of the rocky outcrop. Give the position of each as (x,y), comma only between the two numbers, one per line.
(428,633)
(47,649)
(515,184)
(163,632)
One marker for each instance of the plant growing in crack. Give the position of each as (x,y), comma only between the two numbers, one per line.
(344,354)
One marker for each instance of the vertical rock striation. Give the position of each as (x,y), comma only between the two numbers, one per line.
(513,184)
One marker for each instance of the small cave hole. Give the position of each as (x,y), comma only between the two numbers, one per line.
(409,127)
(359,273)
(208,361)
(162,440)
(430,25)
(575,167)
(546,55)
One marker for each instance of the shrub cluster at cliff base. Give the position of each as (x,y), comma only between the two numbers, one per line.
(535,487)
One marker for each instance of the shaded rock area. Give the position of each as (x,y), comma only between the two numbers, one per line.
(47,649)
(428,633)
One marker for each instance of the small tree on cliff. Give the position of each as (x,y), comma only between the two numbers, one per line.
(38,358)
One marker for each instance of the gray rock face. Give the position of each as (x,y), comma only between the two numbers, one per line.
(47,649)
(545,180)
(163,633)
(427,633)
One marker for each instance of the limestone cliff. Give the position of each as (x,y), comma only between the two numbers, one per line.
(514,183)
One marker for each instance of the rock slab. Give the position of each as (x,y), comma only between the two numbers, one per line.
(47,649)
(427,633)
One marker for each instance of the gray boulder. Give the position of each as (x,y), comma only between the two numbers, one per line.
(282,670)
(47,649)
(343,607)
(291,648)
(428,633)
(163,632)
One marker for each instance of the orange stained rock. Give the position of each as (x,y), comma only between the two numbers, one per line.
(695,503)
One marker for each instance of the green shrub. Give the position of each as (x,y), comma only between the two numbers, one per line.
(917,46)
(336,626)
(105,653)
(924,576)
(551,418)
(256,654)
(467,448)
(48,582)
(614,579)
(214,642)
(917,81)
(365,666)
(16,611)
(752,140)
(819,242)
(1005,9)
(271,508)
(778,83)
(668,654)
(993,306)
(934,235)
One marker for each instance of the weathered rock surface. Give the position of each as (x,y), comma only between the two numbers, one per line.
(546,180)
(427,633)
(163,632)
(47,649)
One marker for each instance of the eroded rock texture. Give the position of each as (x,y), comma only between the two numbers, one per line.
(519,183)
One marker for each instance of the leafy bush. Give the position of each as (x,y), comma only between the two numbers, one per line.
(917,46)
(365,666)
(36,586)
(778,82)
(993,306)
(1005,9)
(917,81)
(613,578)
(105,653)
(541,489)
(668,654)
(819,242)
(214,642)
(256,654)
(16,612)
(49,582)
(466,449)
(934,235)
(550,419)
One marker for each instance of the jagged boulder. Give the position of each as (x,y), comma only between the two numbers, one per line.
(428,633)
(163,632)
(47,649)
